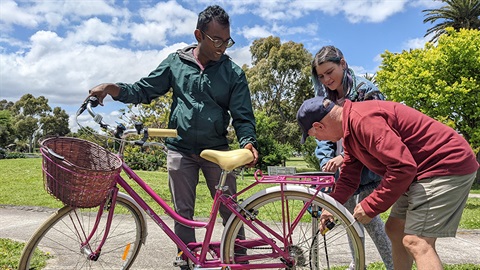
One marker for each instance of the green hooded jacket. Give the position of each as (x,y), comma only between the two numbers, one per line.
(203,101)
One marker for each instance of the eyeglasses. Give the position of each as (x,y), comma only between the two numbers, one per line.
(219,43)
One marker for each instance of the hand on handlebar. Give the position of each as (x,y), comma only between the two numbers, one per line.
(102,90)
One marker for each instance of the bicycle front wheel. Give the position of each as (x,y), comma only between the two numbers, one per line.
(278,211)
(57,244)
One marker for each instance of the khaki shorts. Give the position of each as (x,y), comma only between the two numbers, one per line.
(433,207)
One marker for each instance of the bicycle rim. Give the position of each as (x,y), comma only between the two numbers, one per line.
(306,244)
(57,243)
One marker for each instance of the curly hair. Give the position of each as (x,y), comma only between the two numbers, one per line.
(214,12)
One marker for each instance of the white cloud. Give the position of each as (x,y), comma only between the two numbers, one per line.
(371,11)
(354,11)
(359,70)
(43,43)
(10,14)
(77,9)
(309,29)
(63,66)
(54,13)
(63,72)
(241,55)
(415,43)
(161,21)
(255,32)
(426,3)
(96,31)
(149,33)
(169,12)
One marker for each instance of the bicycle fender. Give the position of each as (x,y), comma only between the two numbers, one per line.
(326,197)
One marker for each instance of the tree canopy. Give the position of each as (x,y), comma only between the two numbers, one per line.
(456,13)
(280,81)
(442,81)
(29,118)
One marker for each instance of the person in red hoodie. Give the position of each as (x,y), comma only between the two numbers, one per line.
(427,171)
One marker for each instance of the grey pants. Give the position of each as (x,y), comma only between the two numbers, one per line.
(183,177)
(376,230)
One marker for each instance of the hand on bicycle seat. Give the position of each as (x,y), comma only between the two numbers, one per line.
(254,151)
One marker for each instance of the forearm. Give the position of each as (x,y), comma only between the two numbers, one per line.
(112,89)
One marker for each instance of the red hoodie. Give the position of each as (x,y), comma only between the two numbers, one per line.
(399,143)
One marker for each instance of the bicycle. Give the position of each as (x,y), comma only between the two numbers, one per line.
(100,227)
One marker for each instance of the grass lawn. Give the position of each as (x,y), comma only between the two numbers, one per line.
(22,184)
(298,163)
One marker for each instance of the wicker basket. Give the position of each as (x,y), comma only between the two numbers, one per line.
(78,172)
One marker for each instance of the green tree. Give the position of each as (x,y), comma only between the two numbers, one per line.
(56,123)
(33,118)
(279,81)
(27,113)
(85,133)
(442,81)
(456,13)
(6,128)
(152,115)
(6,105)
(271,152)
(29,105)
(25,128)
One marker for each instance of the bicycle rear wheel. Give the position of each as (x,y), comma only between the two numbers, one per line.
(57,243)
(304,243)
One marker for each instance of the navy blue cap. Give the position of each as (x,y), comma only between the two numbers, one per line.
(311,111)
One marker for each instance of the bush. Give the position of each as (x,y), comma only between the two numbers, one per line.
(145,159)
(10,155)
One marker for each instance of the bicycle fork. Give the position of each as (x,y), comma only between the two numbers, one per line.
(85,247)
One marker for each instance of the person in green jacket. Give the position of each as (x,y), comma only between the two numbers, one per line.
(209,91)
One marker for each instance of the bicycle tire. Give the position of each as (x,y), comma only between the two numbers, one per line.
(58,238)
(267,207)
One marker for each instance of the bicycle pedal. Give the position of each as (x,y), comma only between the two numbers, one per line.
(179,261)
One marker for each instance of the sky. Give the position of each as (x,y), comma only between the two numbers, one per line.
(61,49)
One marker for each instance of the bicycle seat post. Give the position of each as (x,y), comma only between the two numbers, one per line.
(223,178)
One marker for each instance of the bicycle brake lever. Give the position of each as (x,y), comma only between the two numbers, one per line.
(119,131)
(92,100)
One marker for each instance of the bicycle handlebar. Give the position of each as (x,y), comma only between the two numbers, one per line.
(162,132)
(120,131)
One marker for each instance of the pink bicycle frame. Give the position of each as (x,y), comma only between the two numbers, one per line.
(319,183)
